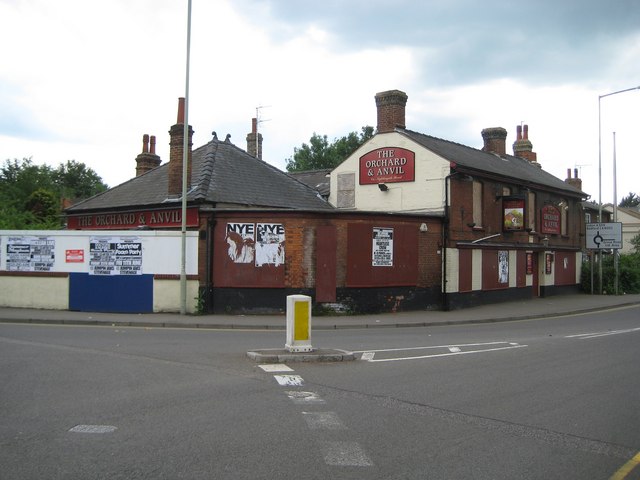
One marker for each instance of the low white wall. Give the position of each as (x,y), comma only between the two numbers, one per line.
(34,292)
(35,255)
(166,295)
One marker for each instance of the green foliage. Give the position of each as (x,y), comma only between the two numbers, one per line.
(75,180)
(630,201)
(629,275)
(320,154)
(635,242)
(30,195)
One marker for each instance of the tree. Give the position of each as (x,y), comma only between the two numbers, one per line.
(635,243)
(76,180)
(630,201)
(30,195)
(320,154)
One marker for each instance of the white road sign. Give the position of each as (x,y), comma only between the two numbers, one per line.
(604,235)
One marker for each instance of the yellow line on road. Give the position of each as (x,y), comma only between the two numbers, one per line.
(627,468)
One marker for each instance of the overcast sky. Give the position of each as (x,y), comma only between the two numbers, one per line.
(84,80)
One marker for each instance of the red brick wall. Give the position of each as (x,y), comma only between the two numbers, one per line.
(422,259)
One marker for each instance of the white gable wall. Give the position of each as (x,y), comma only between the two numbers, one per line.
(424,195)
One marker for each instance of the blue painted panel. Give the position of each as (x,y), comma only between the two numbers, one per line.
(113,293)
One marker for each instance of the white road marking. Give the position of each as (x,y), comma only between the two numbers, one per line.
(345,454)
(93,429)
(367,356)
(276,367)
(323,421)
(304,398)
(289,380)
(452,350)
(584,336)
(427,347)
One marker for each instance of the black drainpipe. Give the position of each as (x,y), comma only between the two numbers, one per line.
(209,257)
(445,239)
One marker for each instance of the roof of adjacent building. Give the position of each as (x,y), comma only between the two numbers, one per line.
(316,179)
(519,170)
(221,174)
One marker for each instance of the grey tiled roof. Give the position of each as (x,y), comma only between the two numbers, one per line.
(221,173)
(516,169)
(316,179)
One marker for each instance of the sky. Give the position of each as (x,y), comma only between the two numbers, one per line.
(84,80)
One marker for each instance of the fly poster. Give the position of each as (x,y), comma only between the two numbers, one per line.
(382,249)
(256,243)
(30,254)
(115,256)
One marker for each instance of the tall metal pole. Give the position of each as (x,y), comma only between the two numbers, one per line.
(185,159)
(615,217)
(599,191)
(600,97)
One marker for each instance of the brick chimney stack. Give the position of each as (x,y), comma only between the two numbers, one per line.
(176,149)
(494,140)
(391,110)
(575,181)
(147,160)
(523,147)
(254,140)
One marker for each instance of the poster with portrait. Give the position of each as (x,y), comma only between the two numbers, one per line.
(503,266)
(269,244)
(241,242)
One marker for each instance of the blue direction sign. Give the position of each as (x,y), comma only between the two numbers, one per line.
(604,235)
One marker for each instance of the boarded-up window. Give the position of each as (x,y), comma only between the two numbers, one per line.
(477,203)
(531,211)
(346,190)
(364,271)
(564,210)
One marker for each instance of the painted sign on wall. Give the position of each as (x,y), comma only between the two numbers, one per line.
(115,256)
(387,165)
(382,251)
(171,218)
(550,220)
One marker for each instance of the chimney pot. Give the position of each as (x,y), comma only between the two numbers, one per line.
(525,132)
(180,120)
(568,173)
(519,132)
(147,160)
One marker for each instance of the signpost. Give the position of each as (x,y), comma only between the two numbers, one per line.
(604,236)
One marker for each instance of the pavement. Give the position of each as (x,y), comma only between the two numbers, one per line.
(542,307)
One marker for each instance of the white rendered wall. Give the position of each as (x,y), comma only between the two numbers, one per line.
(425,194)
(34,292)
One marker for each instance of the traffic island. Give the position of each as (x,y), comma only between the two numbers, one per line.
(280,355)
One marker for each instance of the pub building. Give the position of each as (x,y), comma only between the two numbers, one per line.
(409,221)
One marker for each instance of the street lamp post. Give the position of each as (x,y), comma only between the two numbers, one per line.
(600,97)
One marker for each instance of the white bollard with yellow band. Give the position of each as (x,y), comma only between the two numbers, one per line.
(298,323)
